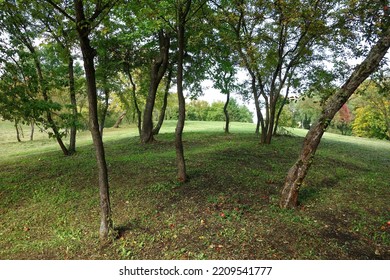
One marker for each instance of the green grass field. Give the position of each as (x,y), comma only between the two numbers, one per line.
(49,204)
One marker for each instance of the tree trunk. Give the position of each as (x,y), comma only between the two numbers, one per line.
(158,126)
(32,126)
(226,112)
(43,89)
(138,111)
(105,110)
(281,108)
(159,67)
(181,165)
(297,173)
(72,95)
(83,29)
(119,120)
(17,131)
(271,122)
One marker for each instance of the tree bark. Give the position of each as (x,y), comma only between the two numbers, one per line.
(159,67)
(281,107)
(83,29)
(106,104)
(158,126)
(181,164)
(119,120)
(72,95)
(32,126)
(17,131)
(298,172)
(138,111)
(226,112)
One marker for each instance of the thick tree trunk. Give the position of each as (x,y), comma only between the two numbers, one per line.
(226,112)
(159,67)
(297,173)
(83,29)
(72,95)
(158,126)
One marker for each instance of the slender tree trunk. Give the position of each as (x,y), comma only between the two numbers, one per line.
(271,122)
(281,108)
(119,120)
(159,67)
(32,126)
(105,110)
(17,131)
(226,112)
(158,126)
(138,111)
(72,94)
(43,88)
(181,164)
(83,29)
(260,121)
(297,173)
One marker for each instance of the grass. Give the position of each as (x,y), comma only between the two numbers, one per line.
(49,204)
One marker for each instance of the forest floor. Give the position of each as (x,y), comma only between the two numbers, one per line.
(49,204)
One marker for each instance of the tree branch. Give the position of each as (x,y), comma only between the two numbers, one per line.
(62,11)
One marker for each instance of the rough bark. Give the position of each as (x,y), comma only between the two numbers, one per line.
(83,29)
(158,69)
(161,118)
(298,172)
(226,112)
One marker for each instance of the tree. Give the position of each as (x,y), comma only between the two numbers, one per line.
(274,40)
(16,23)
(343,120)
(373,110)
(157,72)
(164,106)
(297,173)
(85,22)
(183,9)
(62,34)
